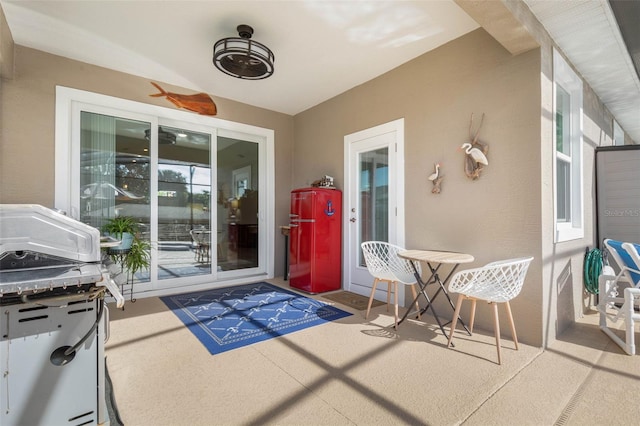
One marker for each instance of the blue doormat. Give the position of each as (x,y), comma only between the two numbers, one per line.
(229,318)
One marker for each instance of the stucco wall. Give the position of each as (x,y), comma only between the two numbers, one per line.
(495,217)
(27,112)
(564,297)
(6,48)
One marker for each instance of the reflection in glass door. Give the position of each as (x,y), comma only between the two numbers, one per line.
(237,204)
(114,173)
(120,158)
(115,181)
(184,208)
(374,197)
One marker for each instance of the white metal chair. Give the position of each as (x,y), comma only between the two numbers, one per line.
(496,282)
(384,264)
(611,306)
(202,242)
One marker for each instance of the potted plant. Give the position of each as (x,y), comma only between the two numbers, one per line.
(137,257)
(132,253)
(122,228)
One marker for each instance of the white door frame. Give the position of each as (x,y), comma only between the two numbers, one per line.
(396,198)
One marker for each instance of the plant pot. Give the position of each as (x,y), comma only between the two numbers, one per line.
(126,240)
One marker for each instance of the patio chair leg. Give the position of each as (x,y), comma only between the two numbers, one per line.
(513,326)
(395,299)
(373,292)
(630,316)
(414,293)
(472,318)
(388,294)
(454,321)
(496,325)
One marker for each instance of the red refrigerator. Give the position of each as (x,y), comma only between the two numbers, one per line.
(315,239)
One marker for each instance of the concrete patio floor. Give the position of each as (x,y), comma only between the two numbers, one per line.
(363,372)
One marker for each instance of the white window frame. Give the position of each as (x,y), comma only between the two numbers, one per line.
(565,77)
(618,133)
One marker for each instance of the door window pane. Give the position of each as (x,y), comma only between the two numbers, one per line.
(114,173)
(374,197)
(184,193)
(237,204)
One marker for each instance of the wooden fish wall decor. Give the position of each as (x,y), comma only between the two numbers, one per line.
(475,153)
(200,102)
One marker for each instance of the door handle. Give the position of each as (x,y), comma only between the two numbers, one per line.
(353,219)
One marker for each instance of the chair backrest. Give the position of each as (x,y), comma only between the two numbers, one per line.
(383,262)
(627,258)
(498,281)
(200,236)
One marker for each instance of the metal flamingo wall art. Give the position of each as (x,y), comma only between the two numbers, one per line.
(200,102)
(475,153)
(436,179)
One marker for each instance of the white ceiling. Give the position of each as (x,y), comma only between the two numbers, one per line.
(322,48)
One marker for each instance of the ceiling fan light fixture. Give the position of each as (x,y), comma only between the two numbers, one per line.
(242,57)
(164,137)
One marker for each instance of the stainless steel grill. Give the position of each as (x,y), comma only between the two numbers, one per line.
(53,322)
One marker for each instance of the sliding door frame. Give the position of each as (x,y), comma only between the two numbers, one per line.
(69,103)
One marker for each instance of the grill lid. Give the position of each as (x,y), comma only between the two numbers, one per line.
(37,229)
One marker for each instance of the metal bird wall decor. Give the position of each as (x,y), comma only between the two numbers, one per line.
(199,102)
(436,179)
(475,158)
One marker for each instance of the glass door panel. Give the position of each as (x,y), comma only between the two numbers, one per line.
(184,209)
(374,197)
(237,204)
(114,173)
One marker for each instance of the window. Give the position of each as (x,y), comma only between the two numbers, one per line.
(567,121)
(618,134)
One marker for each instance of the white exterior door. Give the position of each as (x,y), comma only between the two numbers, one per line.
(374,199)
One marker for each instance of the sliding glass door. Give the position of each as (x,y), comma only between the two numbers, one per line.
(115,181)
(183,197)
(115,173)
(197,191)
(238,203)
